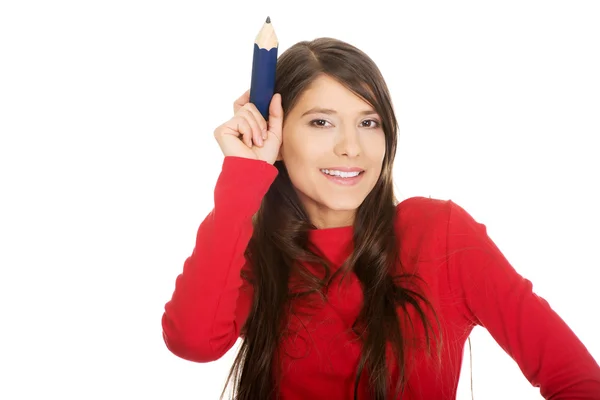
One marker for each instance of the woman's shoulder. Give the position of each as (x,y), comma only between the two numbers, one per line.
(433,229)
(420,215)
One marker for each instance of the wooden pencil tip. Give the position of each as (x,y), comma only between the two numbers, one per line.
(268,21)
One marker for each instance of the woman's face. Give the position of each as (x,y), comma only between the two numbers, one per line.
(333,148)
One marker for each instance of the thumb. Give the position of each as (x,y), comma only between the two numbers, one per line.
(275,121)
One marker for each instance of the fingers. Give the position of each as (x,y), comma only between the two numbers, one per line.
(244,129)
(256,134)
(275,124)
(251,125)
(241,101)
(256,122)
(262,124)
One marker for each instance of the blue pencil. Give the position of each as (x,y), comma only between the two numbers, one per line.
(264,63)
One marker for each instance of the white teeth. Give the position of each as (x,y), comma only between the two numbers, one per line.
(341,174)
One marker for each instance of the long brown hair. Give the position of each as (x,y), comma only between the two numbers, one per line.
(280,240)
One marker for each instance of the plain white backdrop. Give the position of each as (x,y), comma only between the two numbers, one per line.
(108,165)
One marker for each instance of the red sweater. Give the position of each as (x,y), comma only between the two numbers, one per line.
(468,279)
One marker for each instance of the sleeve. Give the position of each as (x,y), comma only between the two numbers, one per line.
(210,302)
(496,297)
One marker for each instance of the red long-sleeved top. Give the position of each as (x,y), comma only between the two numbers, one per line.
(469,282)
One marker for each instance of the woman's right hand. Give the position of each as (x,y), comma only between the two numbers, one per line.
(248,135)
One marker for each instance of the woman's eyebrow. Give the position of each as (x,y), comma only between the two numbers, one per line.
(321,110)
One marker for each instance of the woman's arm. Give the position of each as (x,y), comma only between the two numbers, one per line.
(496,297)
(210,303)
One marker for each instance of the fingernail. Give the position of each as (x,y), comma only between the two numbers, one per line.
(264,135)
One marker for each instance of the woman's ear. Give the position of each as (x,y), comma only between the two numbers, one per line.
(279,154)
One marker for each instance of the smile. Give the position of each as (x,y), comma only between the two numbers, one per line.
(343,174)
(346,178)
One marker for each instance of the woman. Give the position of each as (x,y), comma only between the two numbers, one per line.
(338,290)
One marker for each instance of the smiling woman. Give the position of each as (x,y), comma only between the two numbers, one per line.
(332,157)
(338,290)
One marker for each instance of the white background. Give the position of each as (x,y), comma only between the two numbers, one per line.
(108,164)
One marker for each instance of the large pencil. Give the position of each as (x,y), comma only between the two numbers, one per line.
(264,63)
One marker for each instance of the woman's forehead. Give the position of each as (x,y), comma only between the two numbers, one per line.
(326,95)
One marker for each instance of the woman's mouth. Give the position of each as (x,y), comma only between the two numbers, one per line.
(346,176)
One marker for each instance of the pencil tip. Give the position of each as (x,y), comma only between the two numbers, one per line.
(268,21)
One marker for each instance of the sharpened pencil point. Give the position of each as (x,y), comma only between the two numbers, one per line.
(268,21)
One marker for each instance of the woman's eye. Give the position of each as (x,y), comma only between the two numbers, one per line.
(318,122)
(374,124)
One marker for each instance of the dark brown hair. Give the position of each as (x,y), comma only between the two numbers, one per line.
(280,240)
